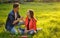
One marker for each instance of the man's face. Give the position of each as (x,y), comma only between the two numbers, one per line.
(17,9)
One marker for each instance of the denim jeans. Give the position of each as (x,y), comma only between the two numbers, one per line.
(21,31)
(29,32)
(14,30)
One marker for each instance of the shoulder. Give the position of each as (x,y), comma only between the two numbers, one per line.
(35,19)
(26,17)
(11,13)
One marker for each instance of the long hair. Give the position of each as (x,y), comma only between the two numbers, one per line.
(31,13)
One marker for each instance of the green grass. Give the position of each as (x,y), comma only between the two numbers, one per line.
(47,15)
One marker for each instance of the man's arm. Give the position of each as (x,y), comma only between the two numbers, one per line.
(14,22)
(12,19)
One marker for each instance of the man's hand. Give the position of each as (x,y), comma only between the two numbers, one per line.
(16,21)
(21,18)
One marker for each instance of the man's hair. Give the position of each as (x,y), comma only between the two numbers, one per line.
(15,5)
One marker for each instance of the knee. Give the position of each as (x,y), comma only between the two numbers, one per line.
(31,32)
(21,23)
(14,32)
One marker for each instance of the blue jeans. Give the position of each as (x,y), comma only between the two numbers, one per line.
(14,31)
(29,32)
(21,31)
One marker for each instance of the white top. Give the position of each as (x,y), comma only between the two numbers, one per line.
(15,15)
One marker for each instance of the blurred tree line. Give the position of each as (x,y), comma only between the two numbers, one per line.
(22,1)
(47,0)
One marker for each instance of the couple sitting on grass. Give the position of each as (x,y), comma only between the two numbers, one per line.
(14,19)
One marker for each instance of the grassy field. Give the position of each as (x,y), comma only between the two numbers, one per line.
(47,15)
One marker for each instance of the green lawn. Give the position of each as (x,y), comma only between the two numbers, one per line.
(47,15)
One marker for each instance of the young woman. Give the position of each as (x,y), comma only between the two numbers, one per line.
(30,22)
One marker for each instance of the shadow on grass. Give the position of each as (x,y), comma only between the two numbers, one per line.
(9,35)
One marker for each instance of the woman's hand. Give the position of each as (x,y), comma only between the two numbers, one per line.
(34,31)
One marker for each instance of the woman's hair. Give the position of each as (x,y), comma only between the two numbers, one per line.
(31,13)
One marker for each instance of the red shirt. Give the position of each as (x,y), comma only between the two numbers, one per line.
(32,23)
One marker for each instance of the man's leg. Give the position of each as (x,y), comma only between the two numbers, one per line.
(14,31)
(20,30)
(21,23)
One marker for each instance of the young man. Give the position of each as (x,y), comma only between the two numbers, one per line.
(13,19)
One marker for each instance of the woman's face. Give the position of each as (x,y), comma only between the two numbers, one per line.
(28,14)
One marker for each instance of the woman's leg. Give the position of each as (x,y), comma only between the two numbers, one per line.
(21,31)
(31,32)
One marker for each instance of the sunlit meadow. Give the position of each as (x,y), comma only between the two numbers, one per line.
(47,15)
